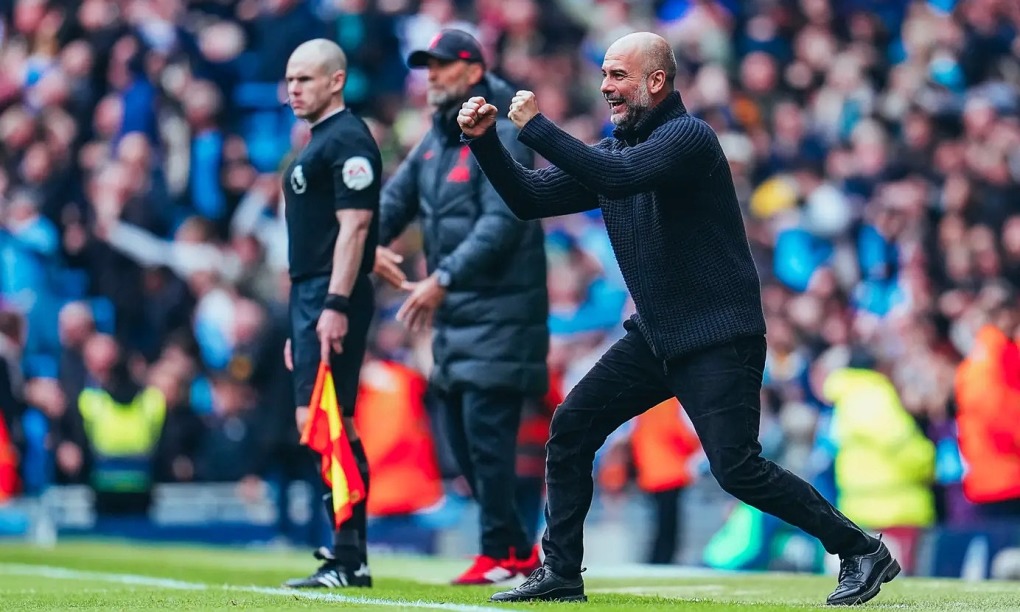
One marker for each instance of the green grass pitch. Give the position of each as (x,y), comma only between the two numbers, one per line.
(92,575)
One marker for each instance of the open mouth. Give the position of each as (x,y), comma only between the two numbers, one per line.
(615,103)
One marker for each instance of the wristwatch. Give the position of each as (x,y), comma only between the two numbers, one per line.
(444,278)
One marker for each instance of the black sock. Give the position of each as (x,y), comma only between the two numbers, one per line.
(350,542)
(327,502)
(346,538)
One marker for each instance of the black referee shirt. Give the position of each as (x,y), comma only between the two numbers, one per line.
(339,169)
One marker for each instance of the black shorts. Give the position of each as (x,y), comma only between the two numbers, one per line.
(306,298)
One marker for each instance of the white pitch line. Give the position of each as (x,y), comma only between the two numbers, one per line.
(368,601)
(61,573)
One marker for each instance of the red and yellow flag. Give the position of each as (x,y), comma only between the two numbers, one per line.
(324,433)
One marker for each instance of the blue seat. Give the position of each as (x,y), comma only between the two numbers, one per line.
(265,123)
(40,365)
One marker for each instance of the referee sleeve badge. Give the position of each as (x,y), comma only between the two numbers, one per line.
(357,173)
(297,180)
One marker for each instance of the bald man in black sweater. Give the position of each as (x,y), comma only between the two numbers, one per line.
(670,208)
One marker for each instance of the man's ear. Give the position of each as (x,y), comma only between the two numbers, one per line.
(338,81)
(656,81)
(475,72)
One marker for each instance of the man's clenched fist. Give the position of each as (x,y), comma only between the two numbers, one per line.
(476,117)
(523,108)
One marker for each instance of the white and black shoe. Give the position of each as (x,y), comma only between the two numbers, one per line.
(332,575)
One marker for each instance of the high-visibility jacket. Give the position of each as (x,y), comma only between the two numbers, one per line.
(661,444)
(885,465)
(122,437)
(395,431)
(988,417)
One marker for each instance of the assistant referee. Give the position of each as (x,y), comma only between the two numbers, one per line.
(331,192)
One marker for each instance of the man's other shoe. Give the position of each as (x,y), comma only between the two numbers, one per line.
(544,585)
(862,576)
(488,570)
(331,575)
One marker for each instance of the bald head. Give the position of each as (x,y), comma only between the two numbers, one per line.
(638,72)
(75,324)
(321,53)
(657,53)
(316,75)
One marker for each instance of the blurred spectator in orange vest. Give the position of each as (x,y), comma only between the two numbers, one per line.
(395,430)
(988,414)
(659,445)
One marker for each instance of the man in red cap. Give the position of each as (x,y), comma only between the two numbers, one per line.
(485,297)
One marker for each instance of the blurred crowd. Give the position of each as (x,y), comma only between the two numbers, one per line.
(875,146)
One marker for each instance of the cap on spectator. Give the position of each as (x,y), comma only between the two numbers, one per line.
(448,46)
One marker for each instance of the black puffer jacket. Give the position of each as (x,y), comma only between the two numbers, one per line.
(491,332)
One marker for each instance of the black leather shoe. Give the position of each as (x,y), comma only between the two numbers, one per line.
(862,576)
(544,585)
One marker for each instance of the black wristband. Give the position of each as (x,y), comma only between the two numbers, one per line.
(337,302)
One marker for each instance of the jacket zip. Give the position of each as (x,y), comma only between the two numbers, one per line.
(440,161)
(438,337)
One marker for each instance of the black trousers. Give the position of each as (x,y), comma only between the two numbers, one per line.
(482,428)
(719,388)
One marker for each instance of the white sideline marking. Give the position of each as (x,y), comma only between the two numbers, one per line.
(61,573)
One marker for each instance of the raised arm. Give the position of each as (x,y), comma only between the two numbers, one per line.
(141,246)
(677,152)
(530,194)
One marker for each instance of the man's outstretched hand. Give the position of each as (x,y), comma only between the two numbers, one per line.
(476,117)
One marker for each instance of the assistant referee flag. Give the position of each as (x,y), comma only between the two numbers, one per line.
(324,433)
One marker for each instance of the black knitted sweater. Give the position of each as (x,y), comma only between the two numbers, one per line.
(671,212)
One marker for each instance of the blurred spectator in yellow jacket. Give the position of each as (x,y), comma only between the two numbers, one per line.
(884,464)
